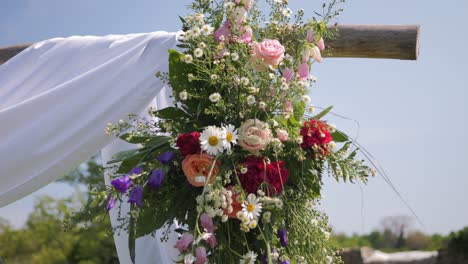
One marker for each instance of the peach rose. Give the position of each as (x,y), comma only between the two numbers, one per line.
(196,168)
(254,135)
(269,52)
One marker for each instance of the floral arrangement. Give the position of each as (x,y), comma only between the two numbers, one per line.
(238,160)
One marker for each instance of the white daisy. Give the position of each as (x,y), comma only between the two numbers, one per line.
(202,45)
(212,140)
(306,98)
(231,136)
(198,52)
(244,80)
(214,77)
(235,56)
(251,99)
(188,58)
(207,30)
(249,258)
(215,97)
(190,77)
(252,207)
(332,128)
(196,31)
(284,86)
(311,109)
(183,95)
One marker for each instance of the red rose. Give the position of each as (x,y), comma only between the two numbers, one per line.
(258,172)
(188,143)
(315,136)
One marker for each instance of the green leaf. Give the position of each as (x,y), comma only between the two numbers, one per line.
(299,109)
(172,113)
(123,155)
(339,136)
(323,113)
(130,138)
(178,71)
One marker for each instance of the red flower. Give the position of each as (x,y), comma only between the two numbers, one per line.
(258,172)
(315,136)
(188,143)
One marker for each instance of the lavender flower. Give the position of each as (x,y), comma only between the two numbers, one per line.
(166,157)
(110,203)
(286,261)
(136,195)
(136,170)
(283,237)
(122,184)
(156,179)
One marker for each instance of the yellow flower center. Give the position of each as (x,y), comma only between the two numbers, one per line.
(250,207)
(229,137)
(213,140)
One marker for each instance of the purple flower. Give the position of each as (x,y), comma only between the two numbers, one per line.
(136,170)
(282,236)
(286,261)
(166,157)
(122,184)
(136,195)
(110,203)
(156,179)
(201,255)
(207,223)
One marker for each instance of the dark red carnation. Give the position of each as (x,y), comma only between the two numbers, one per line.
(315,136)
(258,172)
(188,143)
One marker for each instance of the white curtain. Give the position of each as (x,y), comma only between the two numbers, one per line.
(56,98)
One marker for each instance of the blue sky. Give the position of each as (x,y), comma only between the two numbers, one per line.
(412,114)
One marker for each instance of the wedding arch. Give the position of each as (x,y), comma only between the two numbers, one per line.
(43,94)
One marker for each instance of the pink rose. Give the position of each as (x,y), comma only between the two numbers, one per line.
(282,134)
(223,31)
(303,70)
(254,135)
(183,243)
(288,73)
(269,52)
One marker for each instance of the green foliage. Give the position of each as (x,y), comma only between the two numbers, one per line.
(458,242)
(44,240)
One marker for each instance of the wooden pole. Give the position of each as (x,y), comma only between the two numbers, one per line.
(352,41)
(375,41)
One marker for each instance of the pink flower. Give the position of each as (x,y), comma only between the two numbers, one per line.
(310,35)
(212,241)
(288,73)
(288,107)
(282,134)
(269,52)
(321,44)
(303,70)
(247,3)
(223,31)
(200,252)
(315,53)
(207,223)
(238,16)
(254,135)
(246,34)
(183,243)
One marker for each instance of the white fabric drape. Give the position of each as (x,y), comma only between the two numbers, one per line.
(56,98)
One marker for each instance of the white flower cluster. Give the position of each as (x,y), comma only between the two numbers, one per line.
(215,202)
(251,209)
(198,27)
(215,140)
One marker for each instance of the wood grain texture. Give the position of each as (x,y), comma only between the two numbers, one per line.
(375,41)
(352,41)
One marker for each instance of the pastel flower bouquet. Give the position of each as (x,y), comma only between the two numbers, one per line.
(238,159)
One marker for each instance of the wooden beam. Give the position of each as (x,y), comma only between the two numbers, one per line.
(375,41)
(353,41)
(7,53)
